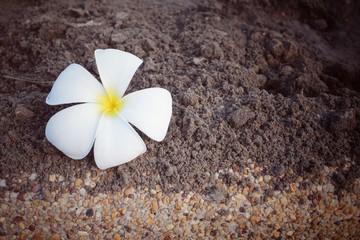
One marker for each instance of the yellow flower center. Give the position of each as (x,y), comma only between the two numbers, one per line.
(111,104)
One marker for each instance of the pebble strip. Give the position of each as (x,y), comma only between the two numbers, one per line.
(314,212)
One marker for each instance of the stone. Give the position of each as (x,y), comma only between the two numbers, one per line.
(283,201)
(78,182)
(23,113)
(254,219)
(52,177)
(117,236)
(36,188)
(129,191)
(190,98)
(267,178)
(197,61)
(118,38)
(276,234)
(169,226)
(33,176)
(2,183)
(239,117)
(148,45)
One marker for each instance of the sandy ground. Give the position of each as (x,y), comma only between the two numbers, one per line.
(264,134)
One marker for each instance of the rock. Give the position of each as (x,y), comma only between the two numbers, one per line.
(118,38)
(56,237)
(148,45)
(121,16)
(267,178)
(150,66)
(89,212)
(33,176)
(255,219)
(36,188)
(190,98)
(52,178)
(240,117)
(129,191)
(83,233)
(284,201)
(2,183)
(276,234)
(78,182)
(169,227)
(117,236)
(23,113)
(47,195)
(197,60)
(287,70)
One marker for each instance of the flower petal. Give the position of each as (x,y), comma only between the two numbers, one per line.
(149,110)
(73,129)
(116,143)
(75,84)
(116,69)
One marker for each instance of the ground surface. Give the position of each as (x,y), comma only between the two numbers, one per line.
(264,135)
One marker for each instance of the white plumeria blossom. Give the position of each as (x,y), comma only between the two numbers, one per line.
(102,119)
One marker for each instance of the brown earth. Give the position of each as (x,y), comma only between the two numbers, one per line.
(276,84)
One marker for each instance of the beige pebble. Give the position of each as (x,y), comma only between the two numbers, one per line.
(82,233)
(56,237)
(255,219)
(154,205)
(267,178)
(129,191)
(195,228)
(22,225)
(284,201)
(245,191)
(165,200)
(292,187)
(78,182)
(52,178)
(169,226)
(150,221)
(256,195)
(276,234)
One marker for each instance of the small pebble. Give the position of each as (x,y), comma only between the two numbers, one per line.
(33,176)
(117,236)
(283,201)
(2,183)
(36,188)
(52,178)
(129,191)
(267,178)
(78,182)
(193,215)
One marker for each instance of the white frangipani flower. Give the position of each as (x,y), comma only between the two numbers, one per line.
(103,117)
